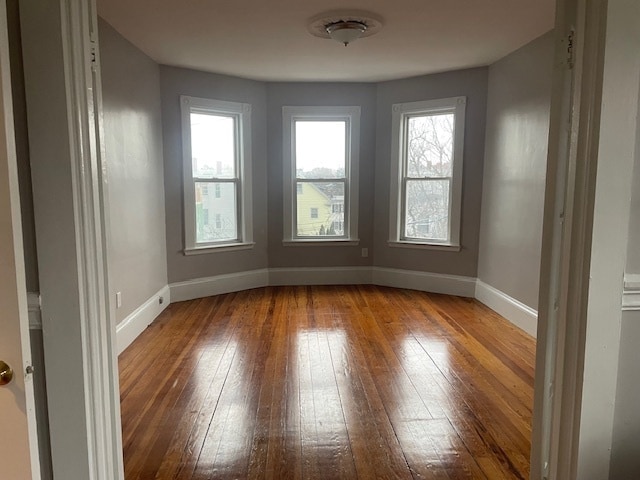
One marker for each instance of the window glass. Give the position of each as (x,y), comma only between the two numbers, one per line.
(222,208)
(320,149)
(427,209)
(426,172)
(213,141)
(217,163)
(430,145)
(318,221)
(321,174)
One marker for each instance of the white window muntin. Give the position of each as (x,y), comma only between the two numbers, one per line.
(351,116)
(401,113)
(241,114)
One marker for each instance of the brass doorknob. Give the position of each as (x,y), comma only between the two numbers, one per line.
(6,374)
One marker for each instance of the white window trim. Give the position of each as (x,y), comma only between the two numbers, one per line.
(400,111)
(242,111)
(352,116)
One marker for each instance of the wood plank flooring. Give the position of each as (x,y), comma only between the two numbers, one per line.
(353,382)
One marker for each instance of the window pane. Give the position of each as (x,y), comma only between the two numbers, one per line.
(320,209)
(216,218)
(427,210)
(430,145)
(320,149)
(213,146)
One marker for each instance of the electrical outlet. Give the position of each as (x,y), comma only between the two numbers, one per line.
(160,300)
(118,299)
(365,252)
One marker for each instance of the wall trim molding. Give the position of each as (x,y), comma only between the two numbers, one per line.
(424,281)
(320,276)
(631,292)
(521,315)
(233,282)
(33,307)
(227,283)
(131,327)
(514,311)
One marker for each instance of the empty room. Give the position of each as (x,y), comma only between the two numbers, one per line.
(317,240)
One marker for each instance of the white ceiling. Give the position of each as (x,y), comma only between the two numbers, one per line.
(268,39)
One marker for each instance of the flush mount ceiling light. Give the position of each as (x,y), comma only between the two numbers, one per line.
(345,27)
(346,32)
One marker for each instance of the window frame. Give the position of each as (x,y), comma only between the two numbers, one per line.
(351,116)
(241,112)
(401,112)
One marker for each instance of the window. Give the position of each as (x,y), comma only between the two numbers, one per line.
(426,173)
(321,148)
(217,152)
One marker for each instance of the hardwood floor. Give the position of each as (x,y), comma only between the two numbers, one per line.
(328,382)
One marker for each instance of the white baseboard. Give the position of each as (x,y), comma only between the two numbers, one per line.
(521,315)
(208,286)
(423,281)
(33,305)
(320,276)
(428,282)
(516,312)
(132,326)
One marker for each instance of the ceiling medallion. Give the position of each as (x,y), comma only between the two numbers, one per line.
(345,26)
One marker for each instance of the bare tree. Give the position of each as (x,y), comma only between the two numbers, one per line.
(429,166)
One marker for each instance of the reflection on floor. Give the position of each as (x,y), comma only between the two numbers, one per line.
(328,382)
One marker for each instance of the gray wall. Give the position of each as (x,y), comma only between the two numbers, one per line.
(175,82)
(320,94)
(625,448)
(519,96)
(22,146)
(375,101)
(633,247)
(28,229)
(625,452)
(134,158)
(42,413)
(471,83)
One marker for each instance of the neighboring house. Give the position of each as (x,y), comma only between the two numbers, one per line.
(214,208)
(215,219)
(319,212)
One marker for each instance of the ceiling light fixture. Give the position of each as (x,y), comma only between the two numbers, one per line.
(346,32)
(345,26)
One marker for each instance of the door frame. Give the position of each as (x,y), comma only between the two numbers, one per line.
(566,242)
(591,150)
(88,327)
(62,84)
(20,447)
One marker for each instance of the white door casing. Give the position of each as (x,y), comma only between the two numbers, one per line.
(63,92)
(93,345)
(18,437)
(591,149)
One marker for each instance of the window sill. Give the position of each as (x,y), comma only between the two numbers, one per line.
(320,242)
(425,246)
(227,247)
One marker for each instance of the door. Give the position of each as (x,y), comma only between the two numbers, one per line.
(18,438)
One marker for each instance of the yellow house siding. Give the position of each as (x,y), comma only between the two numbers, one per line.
(312,198)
